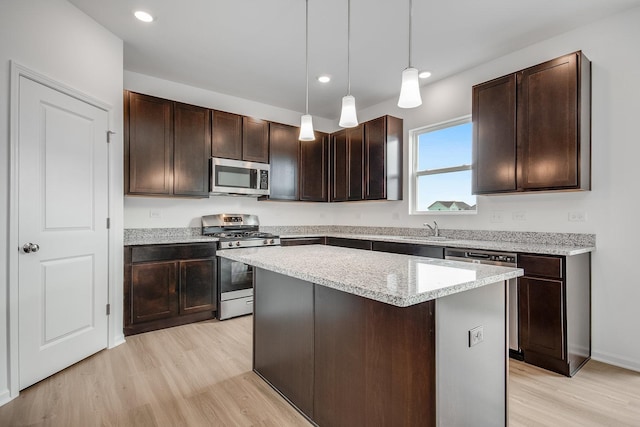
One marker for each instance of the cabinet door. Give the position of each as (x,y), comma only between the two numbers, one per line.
(313,168)
(148,145)
(284,151)
(375,170)
(339,166)
(198,286)
(541,317)
(192,145)
(255,140)
(153,291)
(548,125)
(355,164)
(227,135)
(494,136)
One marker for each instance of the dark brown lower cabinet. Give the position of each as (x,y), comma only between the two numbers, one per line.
(168,285)
(298,241)
(344,360)
(409,249)
(555,311)
(349,243)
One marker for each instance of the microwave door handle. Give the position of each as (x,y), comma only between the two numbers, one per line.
(253,178)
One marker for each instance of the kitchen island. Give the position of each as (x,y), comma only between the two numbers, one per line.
(354,337)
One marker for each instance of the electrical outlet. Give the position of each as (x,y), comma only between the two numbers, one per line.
(154,213)
(497,216)
(519,216)
(577,216)
(476,335)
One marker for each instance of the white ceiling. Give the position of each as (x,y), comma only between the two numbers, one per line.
(254,49)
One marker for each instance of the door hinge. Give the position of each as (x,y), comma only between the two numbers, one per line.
(108,309)
(109,133)
(108,223)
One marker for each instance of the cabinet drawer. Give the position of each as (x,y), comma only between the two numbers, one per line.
(410,249)
(535,265)
(172,252)
(298,241)
(349,243)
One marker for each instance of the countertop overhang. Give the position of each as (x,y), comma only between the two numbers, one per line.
(395,279)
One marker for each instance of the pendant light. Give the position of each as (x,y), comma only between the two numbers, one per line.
(306,121)
(348,118)
(410,89)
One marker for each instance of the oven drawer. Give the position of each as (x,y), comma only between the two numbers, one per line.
(235,307)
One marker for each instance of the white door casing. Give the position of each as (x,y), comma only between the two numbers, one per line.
(63,208)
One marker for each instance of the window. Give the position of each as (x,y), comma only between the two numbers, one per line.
(441,168)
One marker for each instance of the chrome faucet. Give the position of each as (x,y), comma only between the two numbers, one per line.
(435,229)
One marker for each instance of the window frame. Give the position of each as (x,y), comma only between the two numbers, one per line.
(415,174)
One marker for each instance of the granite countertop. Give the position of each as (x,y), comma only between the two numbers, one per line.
(491,245)
(400,280)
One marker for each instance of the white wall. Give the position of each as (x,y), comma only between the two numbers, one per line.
(610,207)
(54,38)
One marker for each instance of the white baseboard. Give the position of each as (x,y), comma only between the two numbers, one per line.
(5,397)
(117,340)
(614,360)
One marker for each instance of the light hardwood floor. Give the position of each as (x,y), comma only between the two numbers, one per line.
(200,375)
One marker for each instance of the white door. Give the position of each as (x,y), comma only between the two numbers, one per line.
(62,207)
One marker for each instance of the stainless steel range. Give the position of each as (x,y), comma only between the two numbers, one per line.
(235,279)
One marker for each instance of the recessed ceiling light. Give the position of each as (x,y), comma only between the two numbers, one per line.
(324,79)
(424,74)
(143,16)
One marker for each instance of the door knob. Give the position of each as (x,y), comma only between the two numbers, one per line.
(30,247)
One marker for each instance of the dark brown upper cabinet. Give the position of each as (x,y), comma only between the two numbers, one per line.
(284,151)
(366,161)
(314,162)
(192,142)
(383,159)
(167,145)
(148,142)
(347,165)
(255,140)
(240,138)
(226,135)
(532,129)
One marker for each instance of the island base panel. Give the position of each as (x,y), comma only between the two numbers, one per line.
(472,380)
(372,363)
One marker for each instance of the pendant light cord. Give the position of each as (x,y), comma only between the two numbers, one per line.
(410,19)
(349,47)
(306,55)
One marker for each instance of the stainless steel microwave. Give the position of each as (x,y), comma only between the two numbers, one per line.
(235,177)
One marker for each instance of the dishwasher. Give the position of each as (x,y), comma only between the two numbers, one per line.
(503,259)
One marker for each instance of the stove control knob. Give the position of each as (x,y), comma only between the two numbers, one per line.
(272,241)
(265,242)
(230,244)
(237,243)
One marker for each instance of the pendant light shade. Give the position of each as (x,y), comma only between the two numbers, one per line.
(348,117)
(410,90)
(306,128)
(306,122)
